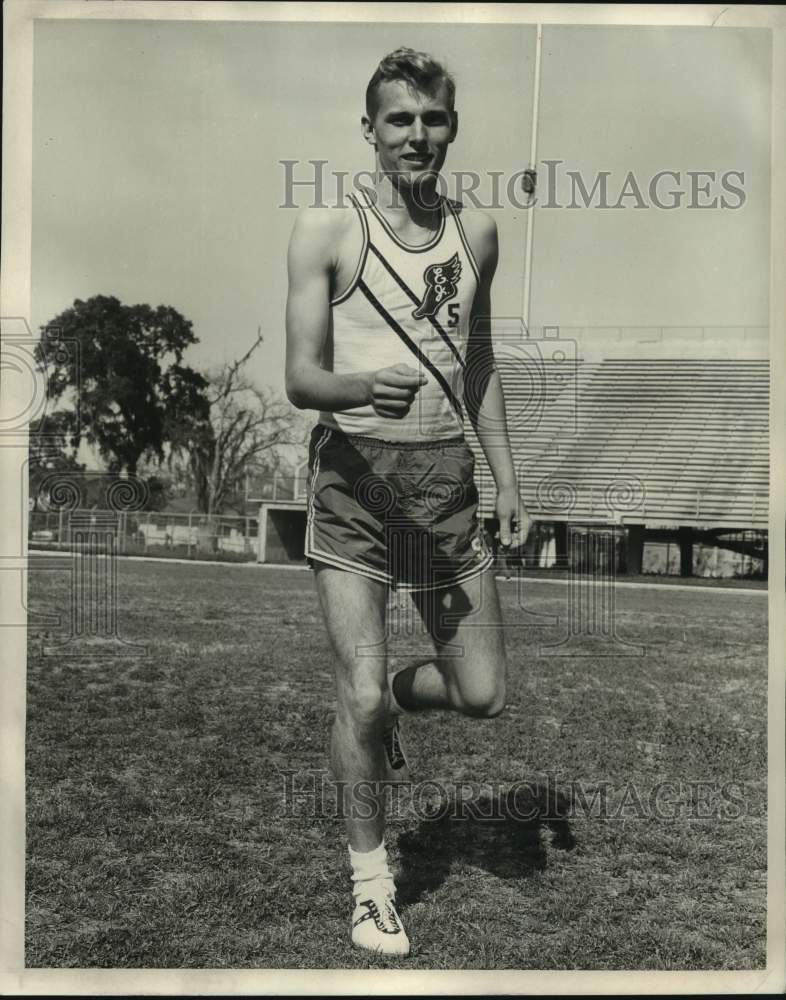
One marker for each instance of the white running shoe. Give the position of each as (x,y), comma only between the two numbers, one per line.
(376,925)
(397,763)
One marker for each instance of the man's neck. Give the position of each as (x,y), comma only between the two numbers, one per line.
(419,204)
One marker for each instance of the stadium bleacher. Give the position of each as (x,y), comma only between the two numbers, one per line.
(669,447)
(658,442)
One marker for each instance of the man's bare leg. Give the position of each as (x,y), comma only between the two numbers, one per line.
(467,674)
(354,608)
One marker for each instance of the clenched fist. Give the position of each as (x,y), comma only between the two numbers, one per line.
(392,390)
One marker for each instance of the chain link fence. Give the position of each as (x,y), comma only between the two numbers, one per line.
(189,536)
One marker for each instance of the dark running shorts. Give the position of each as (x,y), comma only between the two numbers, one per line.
(403,513)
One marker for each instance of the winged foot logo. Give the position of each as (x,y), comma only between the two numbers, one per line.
(441,282)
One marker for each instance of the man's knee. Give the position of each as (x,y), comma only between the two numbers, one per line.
(486,706)
(496,705)
(483,700)
(363,702)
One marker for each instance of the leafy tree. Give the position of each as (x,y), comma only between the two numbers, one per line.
(56,477)
(52,454)
(130,391)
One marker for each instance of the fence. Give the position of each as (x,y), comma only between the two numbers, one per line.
(276,486)
(191,536)
(229,538)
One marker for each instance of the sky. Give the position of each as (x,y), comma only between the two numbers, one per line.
(157,175)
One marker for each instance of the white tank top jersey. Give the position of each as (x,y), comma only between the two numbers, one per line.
(407,304)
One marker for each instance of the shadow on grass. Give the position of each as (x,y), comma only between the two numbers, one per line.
(503,834)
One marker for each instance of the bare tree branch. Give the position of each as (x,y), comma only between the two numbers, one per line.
(249,428)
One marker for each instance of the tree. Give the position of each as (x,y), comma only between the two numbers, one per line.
(249,428)
(58,481)
(52,455)
(130,391)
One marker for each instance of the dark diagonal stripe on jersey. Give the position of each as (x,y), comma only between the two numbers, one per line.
(412,346)
(416,302)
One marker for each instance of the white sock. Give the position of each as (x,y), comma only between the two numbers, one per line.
(368,866)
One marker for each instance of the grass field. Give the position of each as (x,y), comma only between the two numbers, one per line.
(160,833)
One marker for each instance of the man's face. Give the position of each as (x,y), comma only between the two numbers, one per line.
(411,131)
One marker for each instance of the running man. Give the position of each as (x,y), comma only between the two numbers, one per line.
(388,337)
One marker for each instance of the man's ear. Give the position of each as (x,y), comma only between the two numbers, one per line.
(454,125)
(367,130)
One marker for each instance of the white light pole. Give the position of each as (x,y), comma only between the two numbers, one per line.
(530,188)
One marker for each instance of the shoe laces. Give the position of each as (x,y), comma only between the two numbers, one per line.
(382,912)
(392,741)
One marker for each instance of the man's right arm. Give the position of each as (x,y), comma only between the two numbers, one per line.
(310,261)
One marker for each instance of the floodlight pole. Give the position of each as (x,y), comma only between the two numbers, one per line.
(533,153)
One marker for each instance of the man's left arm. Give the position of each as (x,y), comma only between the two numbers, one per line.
(483,394)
